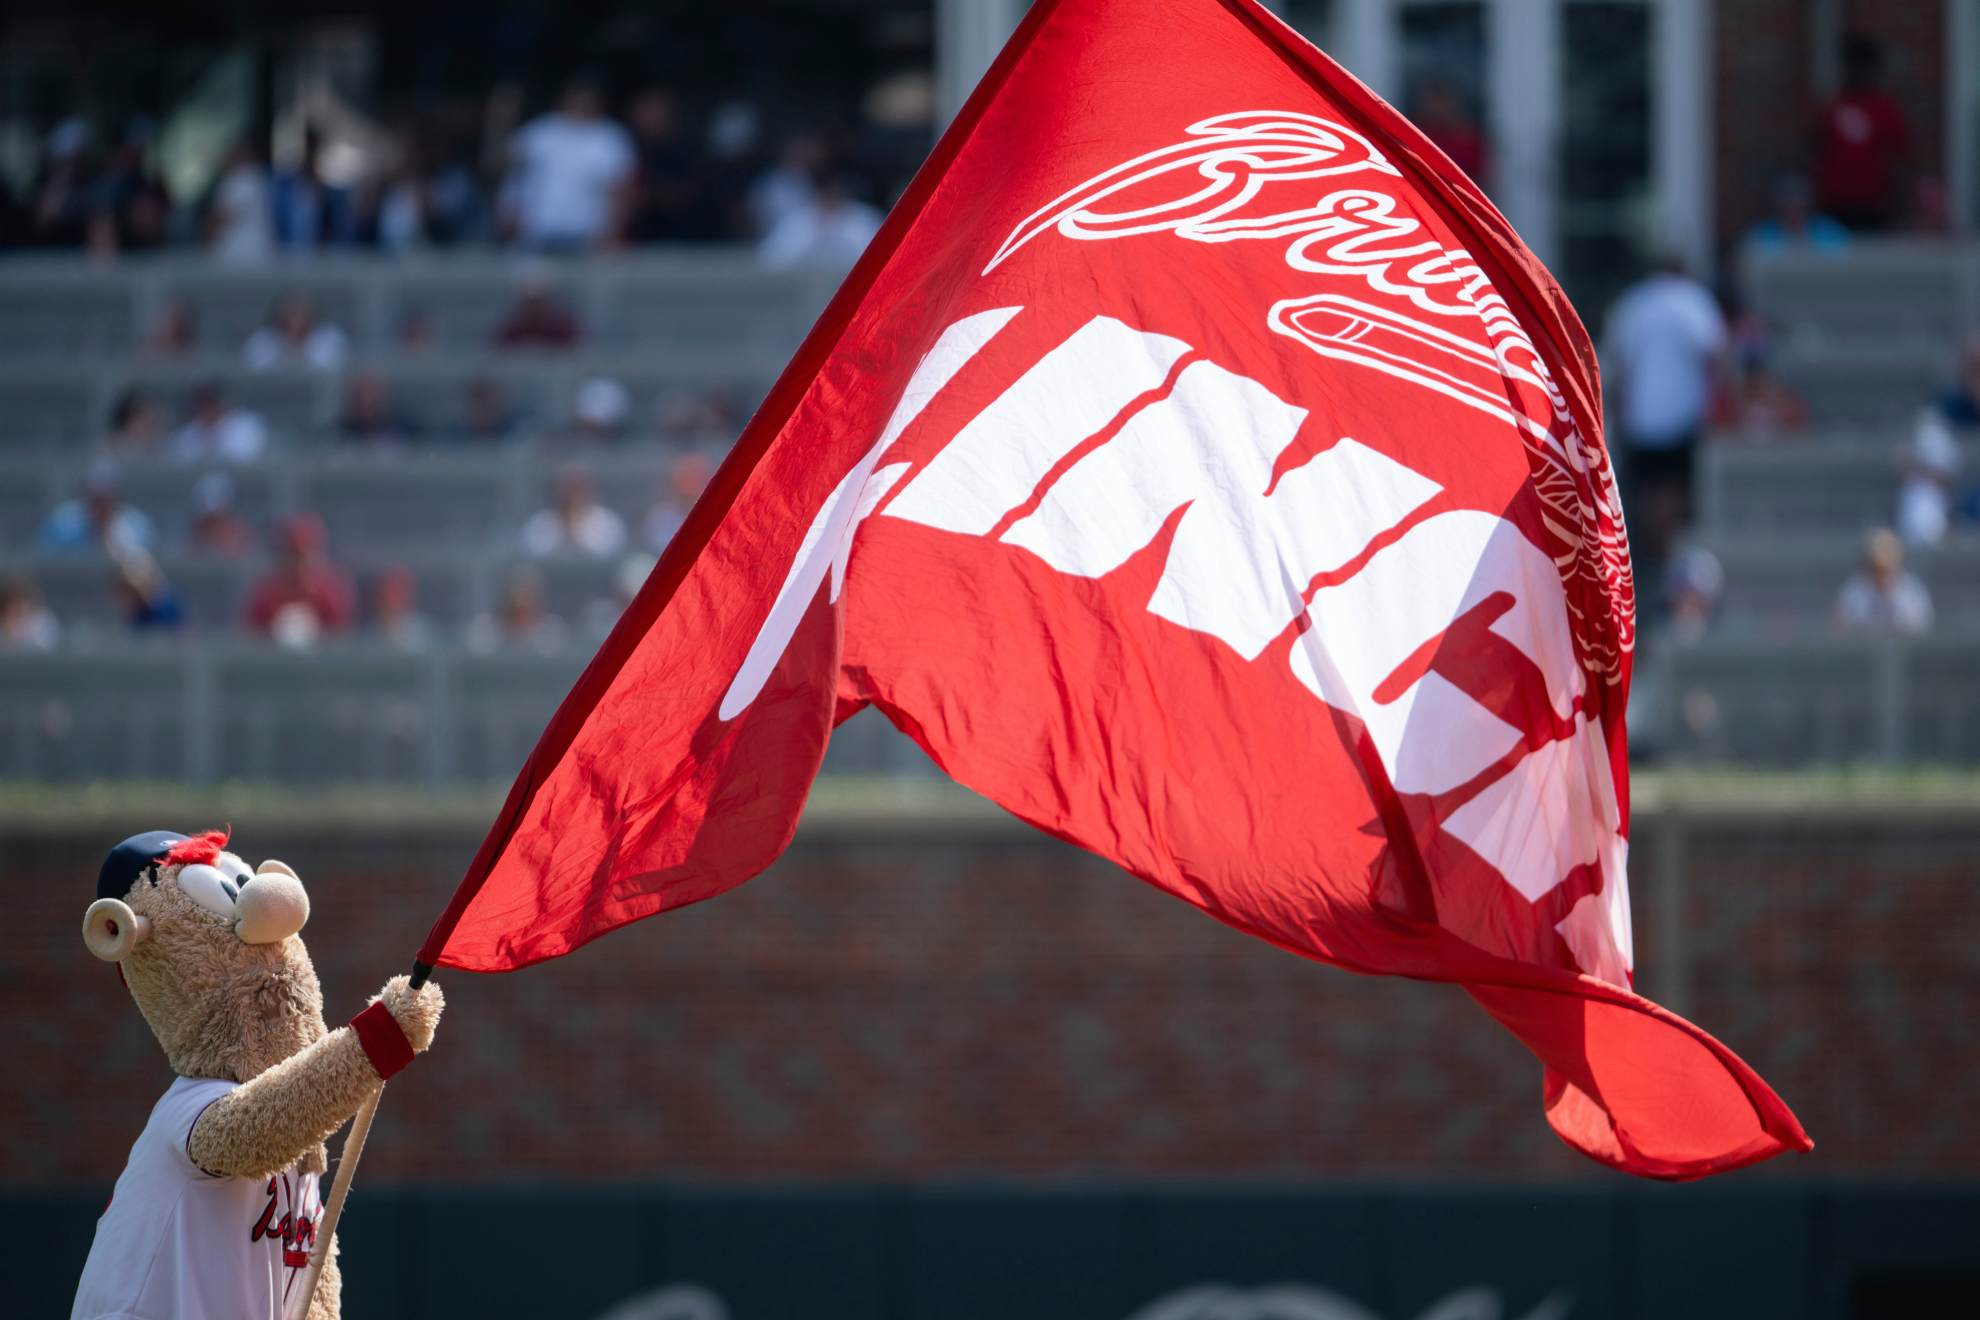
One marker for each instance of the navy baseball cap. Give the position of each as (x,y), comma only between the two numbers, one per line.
(130,859)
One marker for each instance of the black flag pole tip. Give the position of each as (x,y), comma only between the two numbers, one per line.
(420,972)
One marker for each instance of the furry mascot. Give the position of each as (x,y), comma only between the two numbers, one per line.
(216,1211)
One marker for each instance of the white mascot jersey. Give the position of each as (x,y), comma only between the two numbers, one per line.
(179,1243)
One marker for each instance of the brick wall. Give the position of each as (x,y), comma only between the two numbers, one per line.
(1763,102)
(1766,97)
(988,1002)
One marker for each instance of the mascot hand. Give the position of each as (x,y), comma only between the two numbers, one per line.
(417,1014)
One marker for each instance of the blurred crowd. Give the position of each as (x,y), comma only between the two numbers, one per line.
(586,175)
(302,596)
(1677,369)
(207,426)
(1681,361)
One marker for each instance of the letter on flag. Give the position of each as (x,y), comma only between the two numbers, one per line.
(1198,466)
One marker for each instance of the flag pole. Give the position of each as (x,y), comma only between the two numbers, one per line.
(326,1230)
(341,1187)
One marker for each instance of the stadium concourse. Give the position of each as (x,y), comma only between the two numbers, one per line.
(692,339)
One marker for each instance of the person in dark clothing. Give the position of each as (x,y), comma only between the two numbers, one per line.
(665,182)
(539,319)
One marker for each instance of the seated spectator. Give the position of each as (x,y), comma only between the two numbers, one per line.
(395,615)
(1751,401)
(240,227)
(1929,471)
(416,331)
(485,414)
(690,416)
(174,334)
(1883,596)
(1960,405)
(687,477)
(830,230)
(218,432)
(1794,225)
(571,174)
(26,622)
(97,520)
(296,336)
(216,529)
(599,410)
(137,424)
(145,597)
(522,621)
(369,417)
(304,595)
(539,318)
(1693,582)
(1757,405)
(577,524)
(1932,208)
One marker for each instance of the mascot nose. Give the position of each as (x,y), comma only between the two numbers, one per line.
(272,906)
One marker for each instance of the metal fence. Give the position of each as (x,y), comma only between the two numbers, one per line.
(221,710)
(216,711)
(1806,701)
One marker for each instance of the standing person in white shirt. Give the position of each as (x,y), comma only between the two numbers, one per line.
(571,175)
(241,225)
(1665,339)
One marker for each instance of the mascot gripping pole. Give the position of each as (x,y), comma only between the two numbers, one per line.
(217,1214)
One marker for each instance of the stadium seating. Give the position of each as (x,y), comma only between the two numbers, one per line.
(697,338)
(1924,291)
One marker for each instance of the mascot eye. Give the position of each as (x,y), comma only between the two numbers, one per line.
(235,870)
(208,887)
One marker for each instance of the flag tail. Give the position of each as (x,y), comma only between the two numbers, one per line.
(1613,1061)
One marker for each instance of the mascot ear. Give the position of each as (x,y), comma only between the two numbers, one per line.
(112,930)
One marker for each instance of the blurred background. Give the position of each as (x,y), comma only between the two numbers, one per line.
(357,360)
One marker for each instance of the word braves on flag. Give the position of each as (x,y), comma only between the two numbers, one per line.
(1198,466)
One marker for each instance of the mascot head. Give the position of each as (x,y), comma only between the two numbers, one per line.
(209,950)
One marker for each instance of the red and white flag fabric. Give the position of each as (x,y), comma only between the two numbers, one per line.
(1198,466)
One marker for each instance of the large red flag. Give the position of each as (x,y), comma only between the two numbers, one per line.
(1198,466)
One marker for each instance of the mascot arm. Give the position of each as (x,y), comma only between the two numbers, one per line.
(273,1119)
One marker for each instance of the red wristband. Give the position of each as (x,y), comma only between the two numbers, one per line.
(384,1040)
